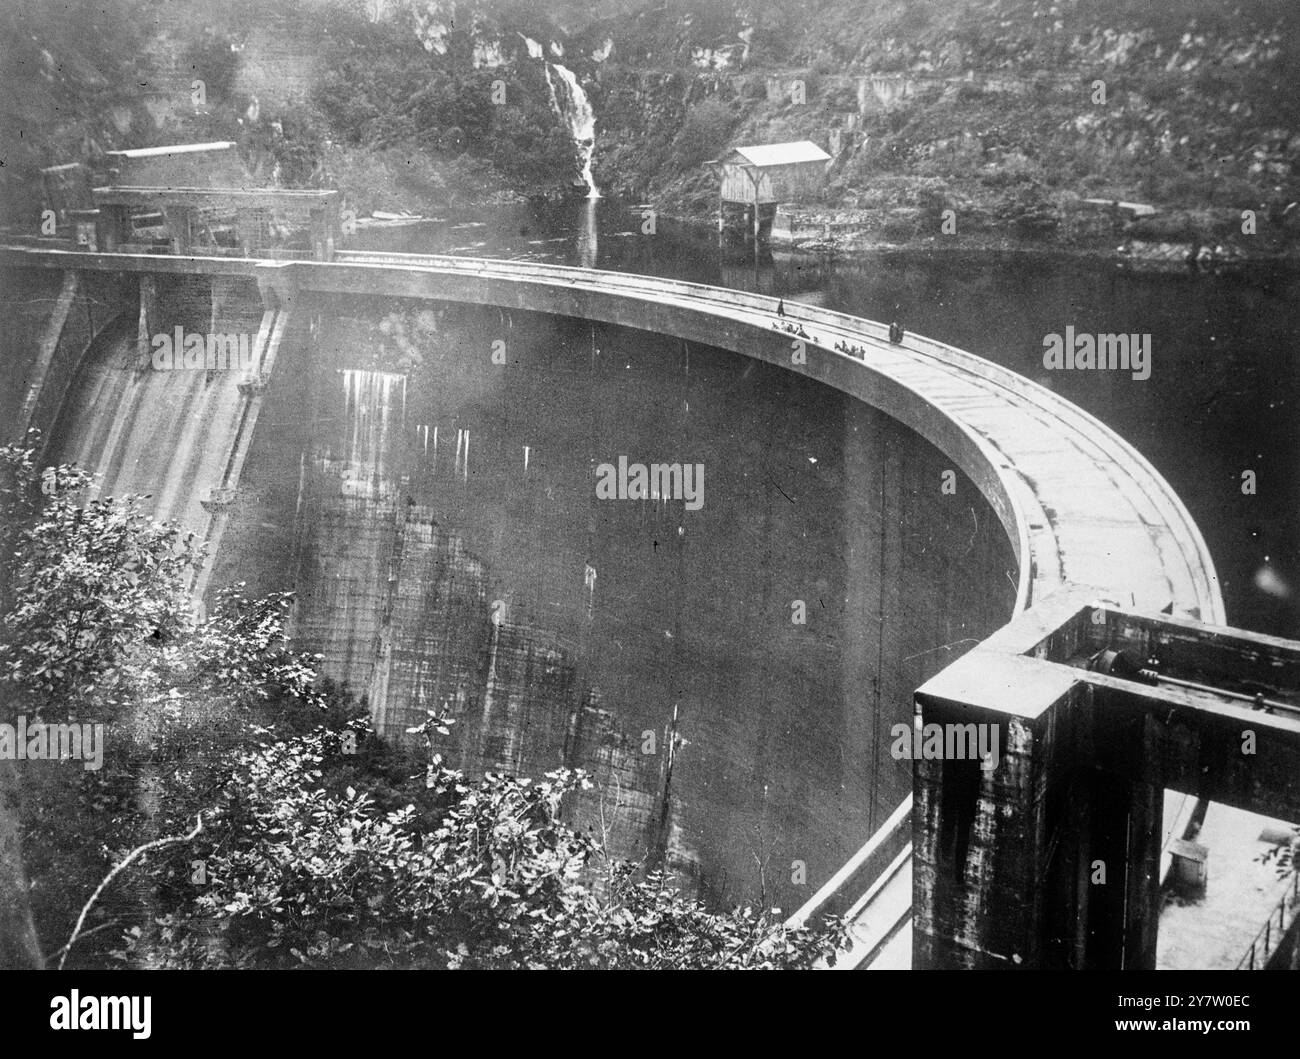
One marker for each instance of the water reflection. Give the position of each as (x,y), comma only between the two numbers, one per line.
(586,240)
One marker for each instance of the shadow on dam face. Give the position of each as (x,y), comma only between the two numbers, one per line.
(424,476)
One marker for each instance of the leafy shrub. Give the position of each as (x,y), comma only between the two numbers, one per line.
(304,874)
(314,854)
(1028,209)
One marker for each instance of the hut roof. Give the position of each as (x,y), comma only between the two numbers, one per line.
(180,148)
(773,154)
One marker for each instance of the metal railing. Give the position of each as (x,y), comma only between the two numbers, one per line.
(1273,933)
(856,877)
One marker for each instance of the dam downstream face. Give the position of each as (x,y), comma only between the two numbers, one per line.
(727,666)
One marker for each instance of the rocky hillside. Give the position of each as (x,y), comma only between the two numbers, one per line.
(1010,114)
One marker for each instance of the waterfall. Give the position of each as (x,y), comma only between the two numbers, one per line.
(574,109)
(571,105)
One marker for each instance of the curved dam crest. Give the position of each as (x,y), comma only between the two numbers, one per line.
(393,547)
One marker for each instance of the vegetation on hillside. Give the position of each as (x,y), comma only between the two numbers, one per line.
(990,107)
(376,113)
(70,75)
(993,112)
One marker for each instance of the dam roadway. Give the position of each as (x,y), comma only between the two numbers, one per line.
(1078,504)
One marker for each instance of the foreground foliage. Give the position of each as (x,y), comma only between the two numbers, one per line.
(321,845)
(478,874)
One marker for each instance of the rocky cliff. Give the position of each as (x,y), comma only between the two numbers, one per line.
(1010,114)
(959,118)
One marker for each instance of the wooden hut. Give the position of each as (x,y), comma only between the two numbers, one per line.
(753,180)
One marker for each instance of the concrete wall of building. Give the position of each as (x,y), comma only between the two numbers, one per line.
(474,599)
(809,771)
(52,319)
(426,585)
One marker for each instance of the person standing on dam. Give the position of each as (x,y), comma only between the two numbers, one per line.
(896,333)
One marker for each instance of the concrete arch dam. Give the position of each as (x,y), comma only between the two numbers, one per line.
(415,450)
